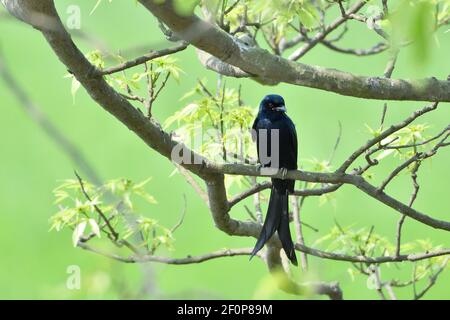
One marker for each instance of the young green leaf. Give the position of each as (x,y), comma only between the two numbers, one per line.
(78,232)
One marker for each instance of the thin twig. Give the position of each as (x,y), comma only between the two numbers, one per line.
(296,210)
(183,214)
(370,260)
(321,35)
(114,234)
(166,260)
(141,60)
(431,281)
(336,145)
(386,133)
(191,180)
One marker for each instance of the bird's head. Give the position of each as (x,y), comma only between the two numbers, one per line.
(272,103)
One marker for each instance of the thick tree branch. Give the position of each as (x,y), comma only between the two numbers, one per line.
(257,62)
(334,178)
(151,133)
(149,130)
(219,207)
(261,64)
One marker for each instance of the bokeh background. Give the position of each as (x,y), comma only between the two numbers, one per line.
(34,261)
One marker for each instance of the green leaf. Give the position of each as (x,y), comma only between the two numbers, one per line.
(96,6)
(78,232)
(351,273)
(94,227)
(421,30)
(96,58)
(374,132)
(414,21)
(74,89)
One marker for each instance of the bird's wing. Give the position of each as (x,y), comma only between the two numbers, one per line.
(262,123)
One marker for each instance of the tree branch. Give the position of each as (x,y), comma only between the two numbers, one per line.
(166,260)
(371,260)
(257,62)
(321,35)
(267,185)
(386,133)
(261,64)
(143,59)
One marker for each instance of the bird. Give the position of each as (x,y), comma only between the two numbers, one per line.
(271,117)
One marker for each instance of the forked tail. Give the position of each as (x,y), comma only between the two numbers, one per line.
(277,219)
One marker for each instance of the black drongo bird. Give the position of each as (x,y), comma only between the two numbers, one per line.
(272,122)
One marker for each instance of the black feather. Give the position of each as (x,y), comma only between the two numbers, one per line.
(283,230)
(277,219)
(271,222)
(272,117)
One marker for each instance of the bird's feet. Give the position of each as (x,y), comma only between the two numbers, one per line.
(283,172)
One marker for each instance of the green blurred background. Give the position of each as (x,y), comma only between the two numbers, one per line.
(34,261)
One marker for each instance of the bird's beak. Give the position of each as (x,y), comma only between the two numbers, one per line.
(281,108)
